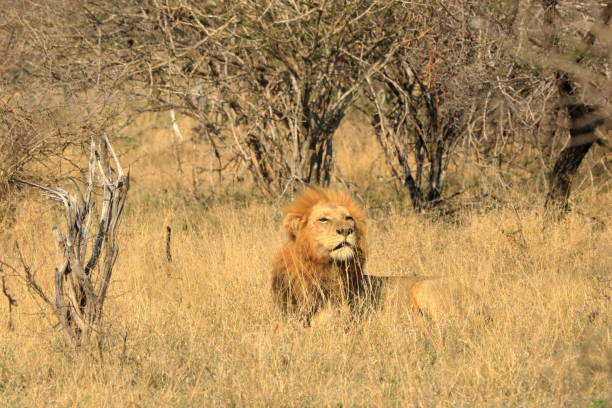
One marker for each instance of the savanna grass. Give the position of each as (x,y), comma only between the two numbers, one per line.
(202,330)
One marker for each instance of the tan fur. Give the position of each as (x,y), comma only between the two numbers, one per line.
(406,292)
(433,297)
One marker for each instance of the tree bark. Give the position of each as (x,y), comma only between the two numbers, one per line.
(584,119)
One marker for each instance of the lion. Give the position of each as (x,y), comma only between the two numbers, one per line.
(324,258)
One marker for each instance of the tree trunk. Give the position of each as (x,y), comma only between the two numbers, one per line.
(320,161)
(584,120)
(561,179)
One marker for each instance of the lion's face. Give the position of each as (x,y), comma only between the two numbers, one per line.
(333,230)
(327,226)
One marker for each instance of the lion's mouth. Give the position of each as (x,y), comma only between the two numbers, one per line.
(342,245)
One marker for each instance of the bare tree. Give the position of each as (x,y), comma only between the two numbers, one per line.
(88,254)
(425,99)
(584,94)
(300,65)
(268,82)
(45,108)
(468,86)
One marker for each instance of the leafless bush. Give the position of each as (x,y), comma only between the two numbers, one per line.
(471,88)
(51,104)
(438,92)
(269,82)
(45,107)
(300,65)
(88,254)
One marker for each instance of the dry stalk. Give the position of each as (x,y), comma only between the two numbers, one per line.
(168,246)
(11,301)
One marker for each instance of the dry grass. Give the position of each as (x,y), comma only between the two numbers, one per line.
(202,331)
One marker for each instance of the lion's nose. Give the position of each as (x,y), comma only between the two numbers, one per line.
(345,231)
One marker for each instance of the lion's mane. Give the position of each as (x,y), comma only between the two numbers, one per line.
(302,279)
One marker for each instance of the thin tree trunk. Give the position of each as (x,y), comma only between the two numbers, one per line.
(319,160)
(583,122)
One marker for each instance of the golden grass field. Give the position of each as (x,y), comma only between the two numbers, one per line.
(202,331)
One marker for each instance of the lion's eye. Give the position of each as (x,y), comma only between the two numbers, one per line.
(324,219)
(348,218)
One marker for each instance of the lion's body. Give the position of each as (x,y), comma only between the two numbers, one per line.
(323,262)
(418,294)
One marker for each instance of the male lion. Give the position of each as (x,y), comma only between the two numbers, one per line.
(323,261)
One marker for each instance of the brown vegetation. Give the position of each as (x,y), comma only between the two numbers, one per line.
(471,113)
(204,330)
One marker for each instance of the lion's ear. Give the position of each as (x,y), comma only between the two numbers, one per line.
(292,224)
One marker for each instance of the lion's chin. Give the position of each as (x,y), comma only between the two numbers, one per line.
(344,253)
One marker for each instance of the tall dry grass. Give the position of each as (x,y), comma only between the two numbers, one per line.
(202,330)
